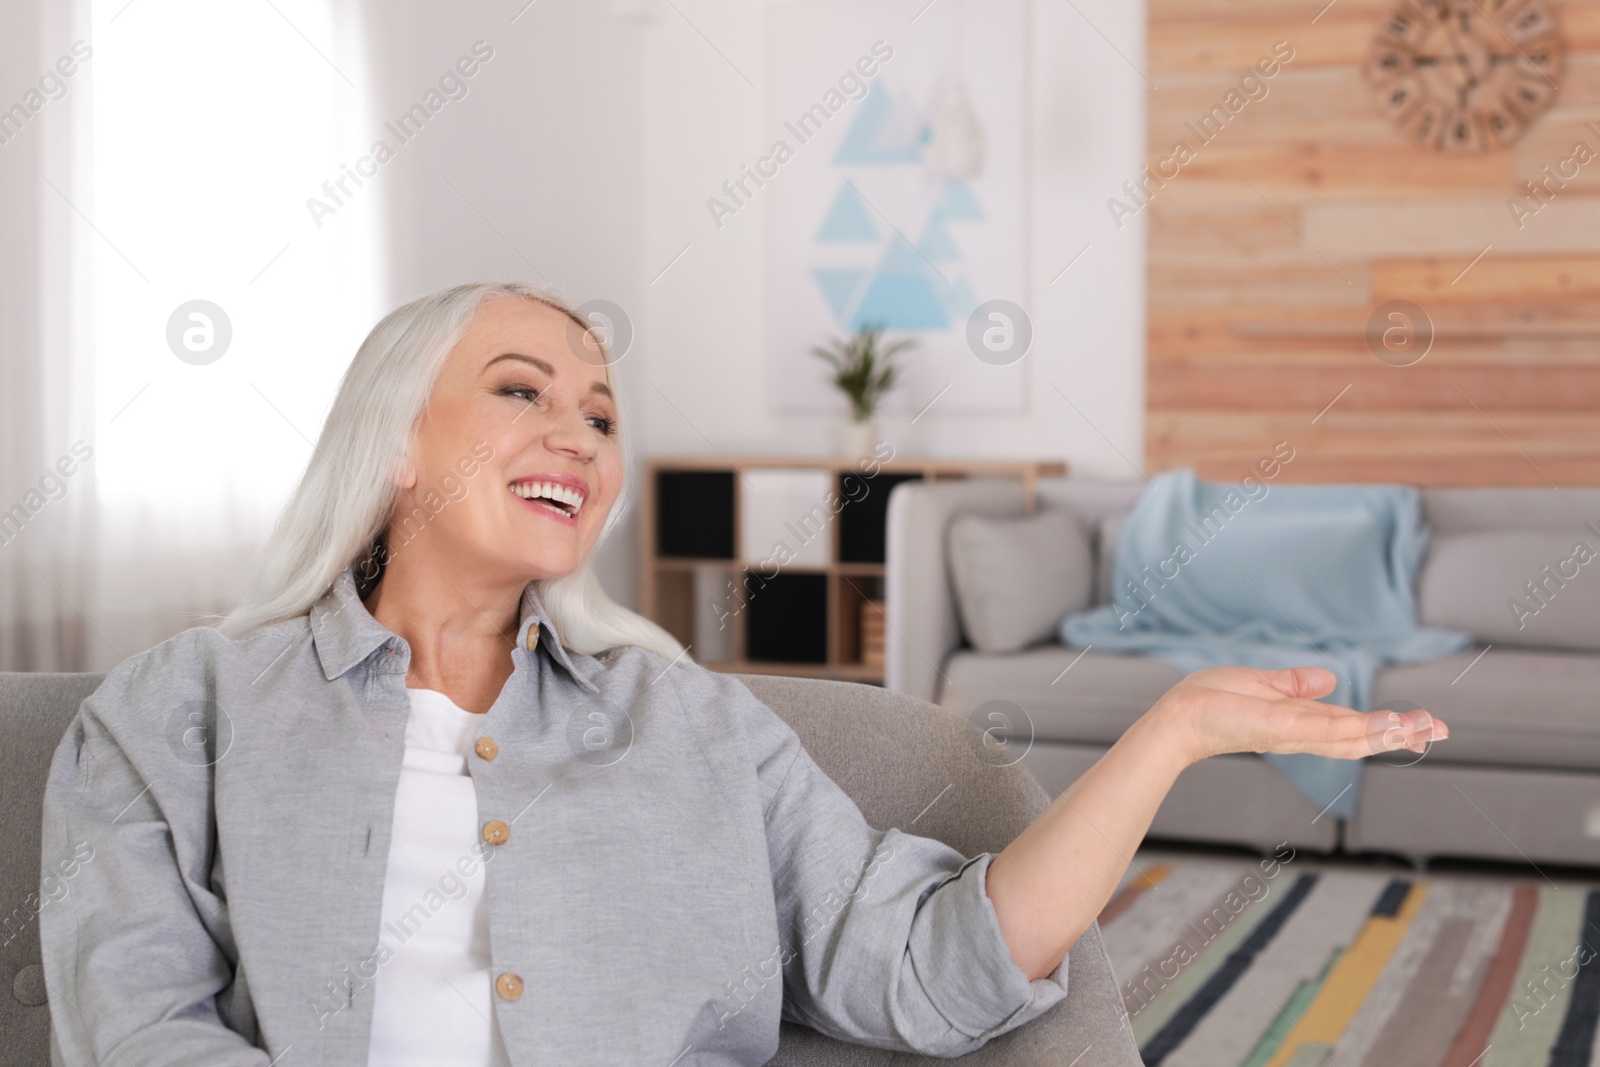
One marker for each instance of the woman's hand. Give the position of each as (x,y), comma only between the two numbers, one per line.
(1239,709)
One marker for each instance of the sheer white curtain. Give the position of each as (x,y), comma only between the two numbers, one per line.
(195,318)
(46,368)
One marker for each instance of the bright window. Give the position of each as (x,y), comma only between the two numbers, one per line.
(213,123)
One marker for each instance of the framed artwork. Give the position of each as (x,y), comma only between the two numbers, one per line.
(863,227)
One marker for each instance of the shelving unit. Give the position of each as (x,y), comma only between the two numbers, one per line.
(799,610)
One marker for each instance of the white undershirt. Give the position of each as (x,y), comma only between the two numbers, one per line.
(433,997)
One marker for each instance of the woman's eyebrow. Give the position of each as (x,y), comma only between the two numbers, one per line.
(594,387)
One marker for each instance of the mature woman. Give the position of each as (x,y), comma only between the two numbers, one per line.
(429,797)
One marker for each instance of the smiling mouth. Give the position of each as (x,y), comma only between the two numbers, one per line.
(559,499)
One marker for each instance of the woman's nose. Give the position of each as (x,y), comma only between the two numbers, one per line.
(569,431)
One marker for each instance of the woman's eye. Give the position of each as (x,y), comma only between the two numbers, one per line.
(526,393)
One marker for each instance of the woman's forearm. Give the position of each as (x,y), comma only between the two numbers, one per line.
(1048,885)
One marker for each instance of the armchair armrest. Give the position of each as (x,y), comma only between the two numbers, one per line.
(923,627)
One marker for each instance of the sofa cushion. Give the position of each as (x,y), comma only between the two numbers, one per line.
(1015,579)
(1069,694)
(1513,706)
(1537,588)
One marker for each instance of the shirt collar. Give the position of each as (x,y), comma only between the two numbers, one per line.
(345,633)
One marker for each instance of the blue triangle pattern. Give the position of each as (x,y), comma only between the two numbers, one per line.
(838,286)
(936,242)
(867,141)
(900,302)
(901,258)
(848,219)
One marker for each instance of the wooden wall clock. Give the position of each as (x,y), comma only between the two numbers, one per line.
(1466,75)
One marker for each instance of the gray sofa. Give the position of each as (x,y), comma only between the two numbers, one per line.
(888,752)
(1518,780)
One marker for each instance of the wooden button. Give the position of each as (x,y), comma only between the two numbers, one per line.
(509,986)
(496,832)
(486,748)
(533,637)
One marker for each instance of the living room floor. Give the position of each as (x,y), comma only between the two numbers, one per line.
(1230,957)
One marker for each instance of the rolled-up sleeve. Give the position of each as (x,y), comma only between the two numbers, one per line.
(888,938)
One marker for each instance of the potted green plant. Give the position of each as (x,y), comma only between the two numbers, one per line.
(864,369)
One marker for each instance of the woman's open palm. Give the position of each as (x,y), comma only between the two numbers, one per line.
(1240,709)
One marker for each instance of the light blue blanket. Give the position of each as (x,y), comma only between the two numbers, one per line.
(1213,573)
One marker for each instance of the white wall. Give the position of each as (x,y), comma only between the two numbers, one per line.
(592,140)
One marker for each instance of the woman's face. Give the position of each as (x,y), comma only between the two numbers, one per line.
(523,401)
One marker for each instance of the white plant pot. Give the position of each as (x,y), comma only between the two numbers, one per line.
(856,438)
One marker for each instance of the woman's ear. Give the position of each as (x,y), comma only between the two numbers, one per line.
(405,473)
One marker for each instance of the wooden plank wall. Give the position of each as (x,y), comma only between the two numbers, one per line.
(1309,207)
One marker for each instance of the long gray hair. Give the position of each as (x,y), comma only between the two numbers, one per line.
(347,496)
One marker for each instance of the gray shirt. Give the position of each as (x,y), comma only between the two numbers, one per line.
(668,871)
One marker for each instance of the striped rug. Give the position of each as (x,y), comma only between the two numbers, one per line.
(1276,964)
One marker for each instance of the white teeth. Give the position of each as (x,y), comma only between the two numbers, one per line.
(550,491)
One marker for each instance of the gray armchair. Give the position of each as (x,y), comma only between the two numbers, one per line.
(893,754)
